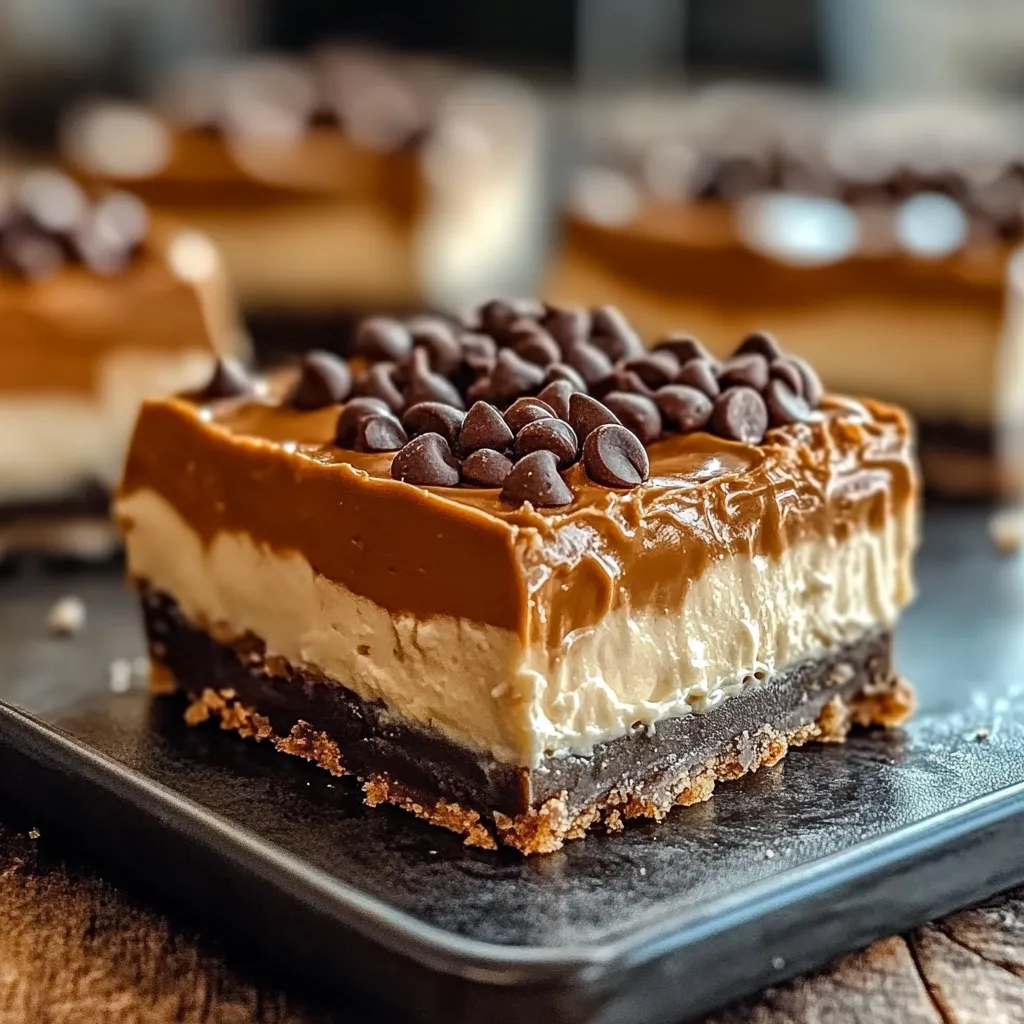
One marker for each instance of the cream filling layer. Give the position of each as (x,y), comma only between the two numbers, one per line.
(50,442)
(481,686)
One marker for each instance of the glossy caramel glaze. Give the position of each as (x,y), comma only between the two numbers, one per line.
(249,466)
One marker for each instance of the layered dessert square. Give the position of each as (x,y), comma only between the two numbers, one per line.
(101,305)
(334,183)
(523,577)
(878,243)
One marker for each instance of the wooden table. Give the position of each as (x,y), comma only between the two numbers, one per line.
(74,948)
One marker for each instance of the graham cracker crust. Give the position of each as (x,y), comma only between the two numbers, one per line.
(885,702)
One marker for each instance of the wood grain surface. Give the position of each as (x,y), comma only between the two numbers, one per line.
(75,948)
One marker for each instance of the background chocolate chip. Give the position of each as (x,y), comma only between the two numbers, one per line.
(637,413)
(683,347)
(51,200)
(784,406)
(30,254)
(526,410)
(759,343)
(550,435)
(560,371)
(423,385)
(486,468)
(426,461)
(613,334)
(814,391)
(511,377)
(479,352)
(228,380)
(495,316)
(700,374)
(556,396)
(379,432)
(586,414)
(740,415)
(379,382)
(749,371)
(655,369)
(323,379)
(434,417)
(614,456)
(568,325)
(355,410)
(484,427)
(120,217)
(786,370)
(438,339)
(590,362)
(535,345)
(381,338)
(685,409)
(535,478)
(622,379)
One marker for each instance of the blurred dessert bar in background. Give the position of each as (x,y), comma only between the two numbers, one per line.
(335,182)
(101,305)
(879,242)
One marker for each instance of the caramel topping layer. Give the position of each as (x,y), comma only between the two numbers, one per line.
(252,466)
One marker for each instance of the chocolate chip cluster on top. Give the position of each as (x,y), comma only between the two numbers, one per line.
(47,221)
(522,392)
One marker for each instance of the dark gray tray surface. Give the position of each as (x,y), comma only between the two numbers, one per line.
(961,644)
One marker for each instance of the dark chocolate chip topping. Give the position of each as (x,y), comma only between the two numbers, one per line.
(525,410)
(382,339)
(484,427)
(586,414)
(486,468)
(615,457)
(551,435)
(379,432)
(740,415)
(700,374)
(556,396)
(685,408)
(229,379)
(638,413)
(535,479)
(379,382)
(426,460)
(434,418)
(354,412)
(324,379)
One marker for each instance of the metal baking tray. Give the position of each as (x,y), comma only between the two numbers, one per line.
(834,847)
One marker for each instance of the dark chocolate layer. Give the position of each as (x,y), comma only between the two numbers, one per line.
(372,740)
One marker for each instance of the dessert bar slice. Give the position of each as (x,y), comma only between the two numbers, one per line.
(520,576)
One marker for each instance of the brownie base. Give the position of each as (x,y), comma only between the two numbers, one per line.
(643,773)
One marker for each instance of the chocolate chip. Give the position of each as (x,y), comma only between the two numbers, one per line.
(486,468)
(427,461)
(511,377)
(587,414)
(759,343)
(438,338)
(228,380)
(356,410)
(637,413)
(535,345)
(622,379)
(614,456)
(560,371)
(700,374)
(121,217)
(655,369)
(324,379)
(750,371)
(784,406)
(31,254)
(434,418)
(556,395)
(379,432)
(484,427)
(534,478)
(568,325)
(381,338)
(479,352)
(786,370)
(685,408)
(740,415)
(526,410)
(379,382)
(613,334)
(591,363)
(495,316)
(683,347)
(549,435)
(813,390)
(52,201)
(426,386)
